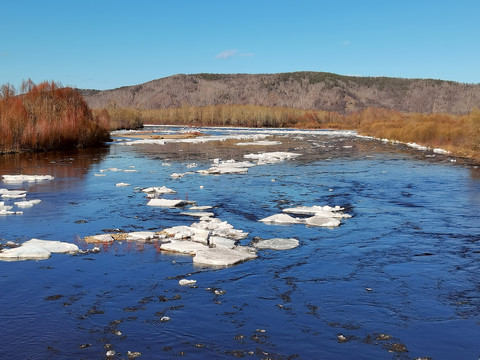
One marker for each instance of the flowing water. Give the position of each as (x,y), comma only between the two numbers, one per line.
(397,280)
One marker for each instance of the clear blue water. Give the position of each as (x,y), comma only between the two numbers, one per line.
(406,265)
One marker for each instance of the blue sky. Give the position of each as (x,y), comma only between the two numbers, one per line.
(103,44)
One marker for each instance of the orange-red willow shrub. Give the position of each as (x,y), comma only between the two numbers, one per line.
(47,117)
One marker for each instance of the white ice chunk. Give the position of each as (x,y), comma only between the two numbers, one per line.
(441,151)
(25,253)
(271,157)
(280,219)
(141,235)
(198,214)
(221,242)
(219,256)
(322,221)
(158,190)
(326,211)
(200,208)
(166,202)
(122,184)
(276,244)
(25,178)
(52,246)
(13,194)
(183,246)
(184,282)
(180,232)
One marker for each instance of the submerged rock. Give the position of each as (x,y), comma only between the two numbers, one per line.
(276,244)
(223,257)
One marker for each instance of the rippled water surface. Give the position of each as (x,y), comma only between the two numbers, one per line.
(399,279)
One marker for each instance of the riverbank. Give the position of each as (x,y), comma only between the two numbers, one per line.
(459,134)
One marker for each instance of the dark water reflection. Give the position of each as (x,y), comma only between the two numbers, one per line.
(397,280)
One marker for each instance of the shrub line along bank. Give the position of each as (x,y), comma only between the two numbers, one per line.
(47,117)
(459,134)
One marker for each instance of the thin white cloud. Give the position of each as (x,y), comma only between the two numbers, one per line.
(346,42)
(226,54)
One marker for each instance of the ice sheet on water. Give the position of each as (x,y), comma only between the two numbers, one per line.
(158,190)
(326,211)
(13,194)
(281,219)
(227,167)
(25,178)
(36,249)
(222,257)
(166,203)
(183,247)
(276,244)
(27,203)
(271,157)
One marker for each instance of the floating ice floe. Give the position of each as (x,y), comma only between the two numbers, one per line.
(157,190)
(200,208)
(166,202)
(223,257)
(183,247)
(326,211)
(259,143)
(141,235)
(211,241)
(271,157)
(276,244)
(26,178)
(281,219)
(122,184)
(227,167)
(199,214)
(13,194)
(185,282)
(324,216)
(36,249)
(27,203)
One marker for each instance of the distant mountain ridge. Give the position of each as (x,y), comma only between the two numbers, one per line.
(302,90)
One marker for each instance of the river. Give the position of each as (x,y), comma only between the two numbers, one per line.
(399,279)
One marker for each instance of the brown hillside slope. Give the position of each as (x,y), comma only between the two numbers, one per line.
(301,90)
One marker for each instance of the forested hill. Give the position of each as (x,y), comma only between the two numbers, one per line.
(302,90)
